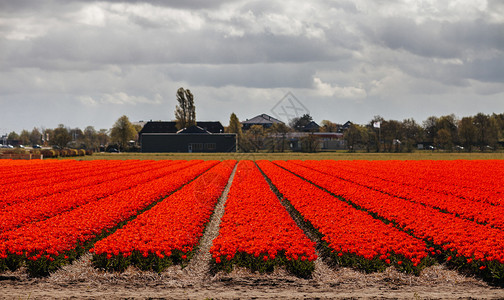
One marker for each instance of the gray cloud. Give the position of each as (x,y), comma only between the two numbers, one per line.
(91,48)
(441,39)
(344,59)
(193,4)
(490,70)
(29,8)
(426,40)
(260,75)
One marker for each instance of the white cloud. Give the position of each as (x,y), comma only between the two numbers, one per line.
(87,100)
(348,92)
(149,16)
(21,29)
(92,15)
(122,98)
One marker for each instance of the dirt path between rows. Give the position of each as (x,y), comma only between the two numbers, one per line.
(81,281)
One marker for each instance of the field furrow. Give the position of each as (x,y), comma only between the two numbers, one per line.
(170,231)
(257,232)
(46,245)
(150,215)
(479,211)
(353,237)
(465,243)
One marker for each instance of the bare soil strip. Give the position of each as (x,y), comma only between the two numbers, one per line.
(198,269)
(321,268)
(81,281)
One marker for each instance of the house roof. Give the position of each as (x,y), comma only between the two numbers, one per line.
(193,130)
(170,127)
(262,119)
(211,126)
(159,127)
(347,124)
(311,126)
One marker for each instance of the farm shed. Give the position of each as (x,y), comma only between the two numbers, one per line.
(192,139)
(171,127)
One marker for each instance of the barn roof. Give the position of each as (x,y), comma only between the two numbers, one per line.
(193,130)
(262,119)
(312,126)
(159,127)
(171,127)
(211,126)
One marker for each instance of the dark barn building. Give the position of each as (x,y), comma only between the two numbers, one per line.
(263,120)
(205,137)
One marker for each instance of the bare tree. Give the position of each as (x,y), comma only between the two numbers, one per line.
(328,126)
(467,133)
(352,137)
(310,143)
(254,138)
(103,137)
(411,134)
(236,127)
(185,112)
(91,138)
(278,134)
(486,131)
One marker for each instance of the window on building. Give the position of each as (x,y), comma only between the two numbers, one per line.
(210,146)
(197,146)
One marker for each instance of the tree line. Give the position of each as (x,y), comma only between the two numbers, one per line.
(119,136)
(276,138)
(123,135)
(480,132)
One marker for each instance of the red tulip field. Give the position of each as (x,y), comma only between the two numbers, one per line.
(368,216)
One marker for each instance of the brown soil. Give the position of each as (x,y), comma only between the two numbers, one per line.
(81,281)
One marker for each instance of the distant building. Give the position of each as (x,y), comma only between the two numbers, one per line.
(311,127)
(204,137)
(331,140)
(328,140)
(171,127)
(344,127)
(263,120)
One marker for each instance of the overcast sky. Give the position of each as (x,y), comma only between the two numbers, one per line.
(83,63)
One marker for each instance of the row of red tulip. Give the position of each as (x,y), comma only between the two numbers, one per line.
(473,180)
(45,207)
(13,171)
(35,171)
(26,177)
(11,162)
(478,211)
(169,231)
(49,243)
(256,231)
(66,177)
(347,231)
(477,246)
